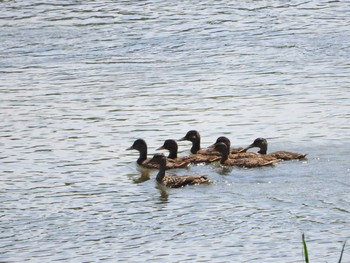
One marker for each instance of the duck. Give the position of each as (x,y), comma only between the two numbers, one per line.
(172,147)
(237,153)
(194,137)
(175,181)
(246,162)
(282,155)
(141,146)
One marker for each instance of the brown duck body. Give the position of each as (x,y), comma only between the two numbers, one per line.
(251,155)
(242,161)
(175,181)
(141,146)
(284,155)
(261,143)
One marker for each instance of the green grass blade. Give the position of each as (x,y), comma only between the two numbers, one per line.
(342,251)
(306,255)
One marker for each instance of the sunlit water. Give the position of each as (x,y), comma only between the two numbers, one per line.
(80,81)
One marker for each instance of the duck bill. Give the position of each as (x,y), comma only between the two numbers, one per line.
(130,148)
(182,139)
(160,148)
(247,148)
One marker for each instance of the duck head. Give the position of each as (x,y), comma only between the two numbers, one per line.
(139,145)
(191,136)
(171,146)
(158,158)
(260,143)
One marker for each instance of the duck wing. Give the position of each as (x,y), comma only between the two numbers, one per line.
(236,150)
(283,155)
(250,162)
(180,181)
(207,152)
(200,158)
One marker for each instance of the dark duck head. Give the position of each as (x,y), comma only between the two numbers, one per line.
(222,149)
(140,146)
(194,137)
(258,143)
(224,140)
(171,146)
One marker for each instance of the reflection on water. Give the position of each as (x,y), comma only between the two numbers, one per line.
(80,81)
(144,176)
(164,194)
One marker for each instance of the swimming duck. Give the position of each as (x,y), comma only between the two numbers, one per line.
(175,181)
(237,153)
(141,146)
(194,137)
(241,162)
(282,155)
(172,147)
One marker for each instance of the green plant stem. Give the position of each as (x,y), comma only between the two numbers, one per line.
(305,250)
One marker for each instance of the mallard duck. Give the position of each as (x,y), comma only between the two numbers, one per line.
(141,146)
(282,155)
(175,181)
(241,162)
(194,137)
(172,147)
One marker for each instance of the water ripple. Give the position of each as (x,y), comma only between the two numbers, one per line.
(81,81)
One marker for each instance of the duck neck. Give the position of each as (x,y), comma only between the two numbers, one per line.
(224,157)
(196,145)
(263,149)
(172,153)
(143,155)
(161,172)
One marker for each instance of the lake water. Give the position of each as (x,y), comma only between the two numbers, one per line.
(81,80)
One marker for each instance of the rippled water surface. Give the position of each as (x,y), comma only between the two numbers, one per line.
(81,80)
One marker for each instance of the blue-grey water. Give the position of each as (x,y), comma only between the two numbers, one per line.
(81,80)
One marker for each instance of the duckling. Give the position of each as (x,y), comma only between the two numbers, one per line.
(282,155)
(241,162)
(172,147)
(141,146)
(175,181)
(194,137)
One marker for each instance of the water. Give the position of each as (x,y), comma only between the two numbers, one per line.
(80,81)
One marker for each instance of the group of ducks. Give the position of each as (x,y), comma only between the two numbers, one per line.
(220,151)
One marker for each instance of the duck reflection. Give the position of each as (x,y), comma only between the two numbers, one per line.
(164,192)
(144,176)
